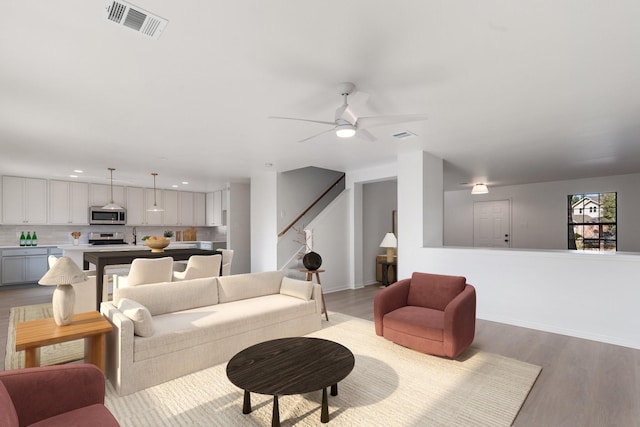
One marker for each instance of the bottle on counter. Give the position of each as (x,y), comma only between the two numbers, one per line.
(23,240)
(34,239)
(27,241)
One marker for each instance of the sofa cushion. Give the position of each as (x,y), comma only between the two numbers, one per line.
(8,416)
(96,415)
(243,286)
(434,290)
(139,315)
(160,298)
(416,321)
(296,288)
(191,328)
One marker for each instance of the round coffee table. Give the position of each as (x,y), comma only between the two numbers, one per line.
(290,366)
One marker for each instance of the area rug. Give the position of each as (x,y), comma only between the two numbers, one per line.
(49,355)
(389,386)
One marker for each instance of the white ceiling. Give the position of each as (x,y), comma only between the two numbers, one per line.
(515,91)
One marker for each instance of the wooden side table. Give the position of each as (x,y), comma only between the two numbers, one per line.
(385,270)
(310,274)
(91,326)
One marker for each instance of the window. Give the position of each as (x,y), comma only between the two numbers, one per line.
(592,221)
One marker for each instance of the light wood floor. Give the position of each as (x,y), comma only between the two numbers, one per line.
(582,383)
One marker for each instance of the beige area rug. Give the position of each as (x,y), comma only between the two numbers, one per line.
(389,386)
(49,355)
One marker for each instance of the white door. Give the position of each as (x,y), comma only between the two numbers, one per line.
(492,224)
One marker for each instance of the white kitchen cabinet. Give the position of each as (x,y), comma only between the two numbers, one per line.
(24,200)
(138,201)
(185,208)
(68,203)
(23,265)
(100,195)
(214,208)
(170,206)
(199,209)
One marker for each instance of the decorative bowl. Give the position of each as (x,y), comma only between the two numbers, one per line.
(157,245)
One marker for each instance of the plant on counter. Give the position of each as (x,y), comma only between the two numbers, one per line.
(168,234)
(145,238)
(76,234)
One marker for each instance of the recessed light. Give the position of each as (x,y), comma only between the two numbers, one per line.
(185,182)
(78,171)
(175,186)
(73,176)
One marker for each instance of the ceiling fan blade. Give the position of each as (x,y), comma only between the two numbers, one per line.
(318,134)
(368,122)
(302,120)
(365,134)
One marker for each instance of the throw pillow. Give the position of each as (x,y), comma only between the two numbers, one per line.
(139,315)
(296,288)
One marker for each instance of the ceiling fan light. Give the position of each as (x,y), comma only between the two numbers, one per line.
(345,131)
(479,189)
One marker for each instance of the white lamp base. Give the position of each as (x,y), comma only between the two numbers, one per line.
(64,298)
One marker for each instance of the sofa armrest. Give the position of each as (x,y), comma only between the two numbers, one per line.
(389,299)
(41,393)
(119,345)
(460,322)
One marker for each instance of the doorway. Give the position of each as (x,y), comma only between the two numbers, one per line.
(492,224)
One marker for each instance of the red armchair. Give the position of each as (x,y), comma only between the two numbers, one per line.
(431,313)
(66,395)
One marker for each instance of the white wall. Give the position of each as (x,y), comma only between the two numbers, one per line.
(331,234)
(539,211)
(264,221)
(239,228)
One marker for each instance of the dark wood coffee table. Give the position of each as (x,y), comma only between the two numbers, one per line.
(290,366)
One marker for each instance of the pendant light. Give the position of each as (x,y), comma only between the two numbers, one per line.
(155,207)
(112,205)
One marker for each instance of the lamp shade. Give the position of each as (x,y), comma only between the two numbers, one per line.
(63,272)
(479,189)
(389,241)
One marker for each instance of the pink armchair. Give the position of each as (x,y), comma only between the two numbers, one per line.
(431,313)
(65,395)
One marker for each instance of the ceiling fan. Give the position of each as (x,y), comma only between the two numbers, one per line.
(346,124)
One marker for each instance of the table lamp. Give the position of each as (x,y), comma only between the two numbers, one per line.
(63,274)
(390,242)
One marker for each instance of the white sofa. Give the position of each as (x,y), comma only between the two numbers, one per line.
(195,324)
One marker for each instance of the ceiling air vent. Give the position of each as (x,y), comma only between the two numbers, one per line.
(137,19)
(403,135)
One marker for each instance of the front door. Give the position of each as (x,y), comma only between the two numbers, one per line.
(492,224)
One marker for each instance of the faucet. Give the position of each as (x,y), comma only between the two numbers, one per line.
(135,236)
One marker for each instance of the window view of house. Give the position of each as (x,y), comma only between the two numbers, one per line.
(592,221)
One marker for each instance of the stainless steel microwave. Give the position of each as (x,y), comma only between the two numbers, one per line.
(99,215)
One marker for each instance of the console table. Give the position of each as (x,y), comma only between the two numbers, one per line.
(103,258)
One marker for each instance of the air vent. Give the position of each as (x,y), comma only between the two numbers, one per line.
(404,135)
(137,19)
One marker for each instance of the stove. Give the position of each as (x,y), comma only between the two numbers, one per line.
(111,238)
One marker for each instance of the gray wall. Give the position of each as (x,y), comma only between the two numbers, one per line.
(539,211)
(379,200)
(239,227)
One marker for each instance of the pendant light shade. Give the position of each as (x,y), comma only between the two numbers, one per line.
(112,205)
(155,207)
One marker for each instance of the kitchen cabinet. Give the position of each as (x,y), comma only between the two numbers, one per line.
(68,202)
(100,195)
(24,200)
(199,209)
(171,206)
(138,201)
(214,208)
(185,208)
(26,265)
